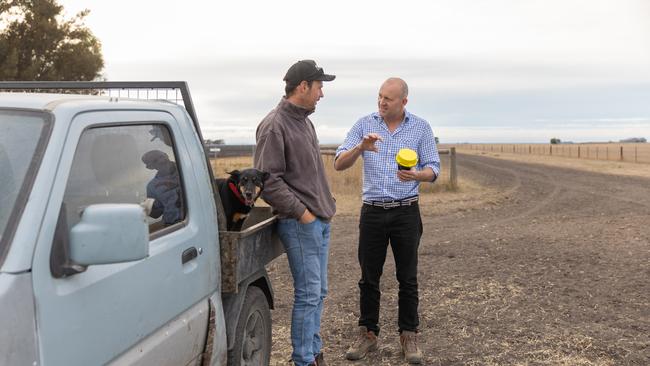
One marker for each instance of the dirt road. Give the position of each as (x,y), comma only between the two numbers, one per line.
(554,270)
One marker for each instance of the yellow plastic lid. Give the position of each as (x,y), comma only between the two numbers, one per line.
(407,158)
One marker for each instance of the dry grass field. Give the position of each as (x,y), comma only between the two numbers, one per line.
(346,185)
(221,166)
(628,152)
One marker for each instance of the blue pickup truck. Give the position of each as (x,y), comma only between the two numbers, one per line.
(113,247)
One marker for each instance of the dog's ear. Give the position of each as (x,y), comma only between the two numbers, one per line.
(235,174)
(265,176)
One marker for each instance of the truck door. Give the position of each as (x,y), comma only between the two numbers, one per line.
(151,311)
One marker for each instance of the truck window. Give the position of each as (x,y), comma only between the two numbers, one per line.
(127,164)
(22,141)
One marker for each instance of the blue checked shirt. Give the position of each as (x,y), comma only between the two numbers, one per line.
(380,181)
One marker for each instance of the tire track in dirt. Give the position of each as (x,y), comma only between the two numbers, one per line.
(605,187)
(581,181)
(518,176)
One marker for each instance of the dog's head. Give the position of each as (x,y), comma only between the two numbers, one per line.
(250,183)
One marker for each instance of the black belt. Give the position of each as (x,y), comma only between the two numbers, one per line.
(392,204)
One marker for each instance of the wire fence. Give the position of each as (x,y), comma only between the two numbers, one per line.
(628,152)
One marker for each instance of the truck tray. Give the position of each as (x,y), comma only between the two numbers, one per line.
(249,250)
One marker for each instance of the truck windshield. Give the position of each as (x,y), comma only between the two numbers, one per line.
(21,138)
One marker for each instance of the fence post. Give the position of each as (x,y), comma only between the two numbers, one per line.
(453,175)
(550,149)
(578,152)
(621,152)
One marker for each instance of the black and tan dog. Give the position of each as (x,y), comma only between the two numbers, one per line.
(238,194)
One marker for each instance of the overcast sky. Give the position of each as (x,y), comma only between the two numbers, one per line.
(478,70)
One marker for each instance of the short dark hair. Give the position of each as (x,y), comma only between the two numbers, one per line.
(290,88)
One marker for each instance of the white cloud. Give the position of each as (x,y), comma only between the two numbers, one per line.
(559,31)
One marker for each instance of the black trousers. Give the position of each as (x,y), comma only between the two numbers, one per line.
(402,227)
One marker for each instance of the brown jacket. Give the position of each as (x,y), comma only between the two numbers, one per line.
(288,149)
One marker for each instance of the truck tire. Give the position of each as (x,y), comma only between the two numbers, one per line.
(253,332)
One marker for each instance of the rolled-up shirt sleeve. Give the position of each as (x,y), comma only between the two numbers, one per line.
(354,137)
(428,152)
(269,157)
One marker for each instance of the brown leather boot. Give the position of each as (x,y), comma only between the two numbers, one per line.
(320,360)
(365,342)
(410,350)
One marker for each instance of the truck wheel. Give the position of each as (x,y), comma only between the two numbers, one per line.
(253,333)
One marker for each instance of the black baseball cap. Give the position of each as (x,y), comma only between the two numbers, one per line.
(306,70)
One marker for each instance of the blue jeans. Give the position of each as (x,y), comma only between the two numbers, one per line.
(307,247)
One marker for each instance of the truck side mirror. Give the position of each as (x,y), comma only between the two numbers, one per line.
(109,233)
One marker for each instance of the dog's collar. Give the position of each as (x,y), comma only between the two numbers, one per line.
(236,192)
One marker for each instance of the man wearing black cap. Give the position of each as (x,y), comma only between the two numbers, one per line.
(287,148)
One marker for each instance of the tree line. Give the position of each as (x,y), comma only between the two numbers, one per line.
(38,44)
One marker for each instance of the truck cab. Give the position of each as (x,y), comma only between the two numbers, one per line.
(111,239)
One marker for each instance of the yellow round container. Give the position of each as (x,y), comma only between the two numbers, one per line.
(406,159)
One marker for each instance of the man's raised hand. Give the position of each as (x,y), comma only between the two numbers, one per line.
(368,143)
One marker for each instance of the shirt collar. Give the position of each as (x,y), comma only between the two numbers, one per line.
(379,119)
(294,110)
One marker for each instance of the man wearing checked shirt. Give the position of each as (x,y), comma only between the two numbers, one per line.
(390,211)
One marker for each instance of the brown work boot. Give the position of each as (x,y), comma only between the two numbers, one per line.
(409,342)
(365,342)
(320,360)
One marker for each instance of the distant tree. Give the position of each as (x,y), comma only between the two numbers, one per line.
(555,140)
(635,139)
(36,43)
(437,139)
